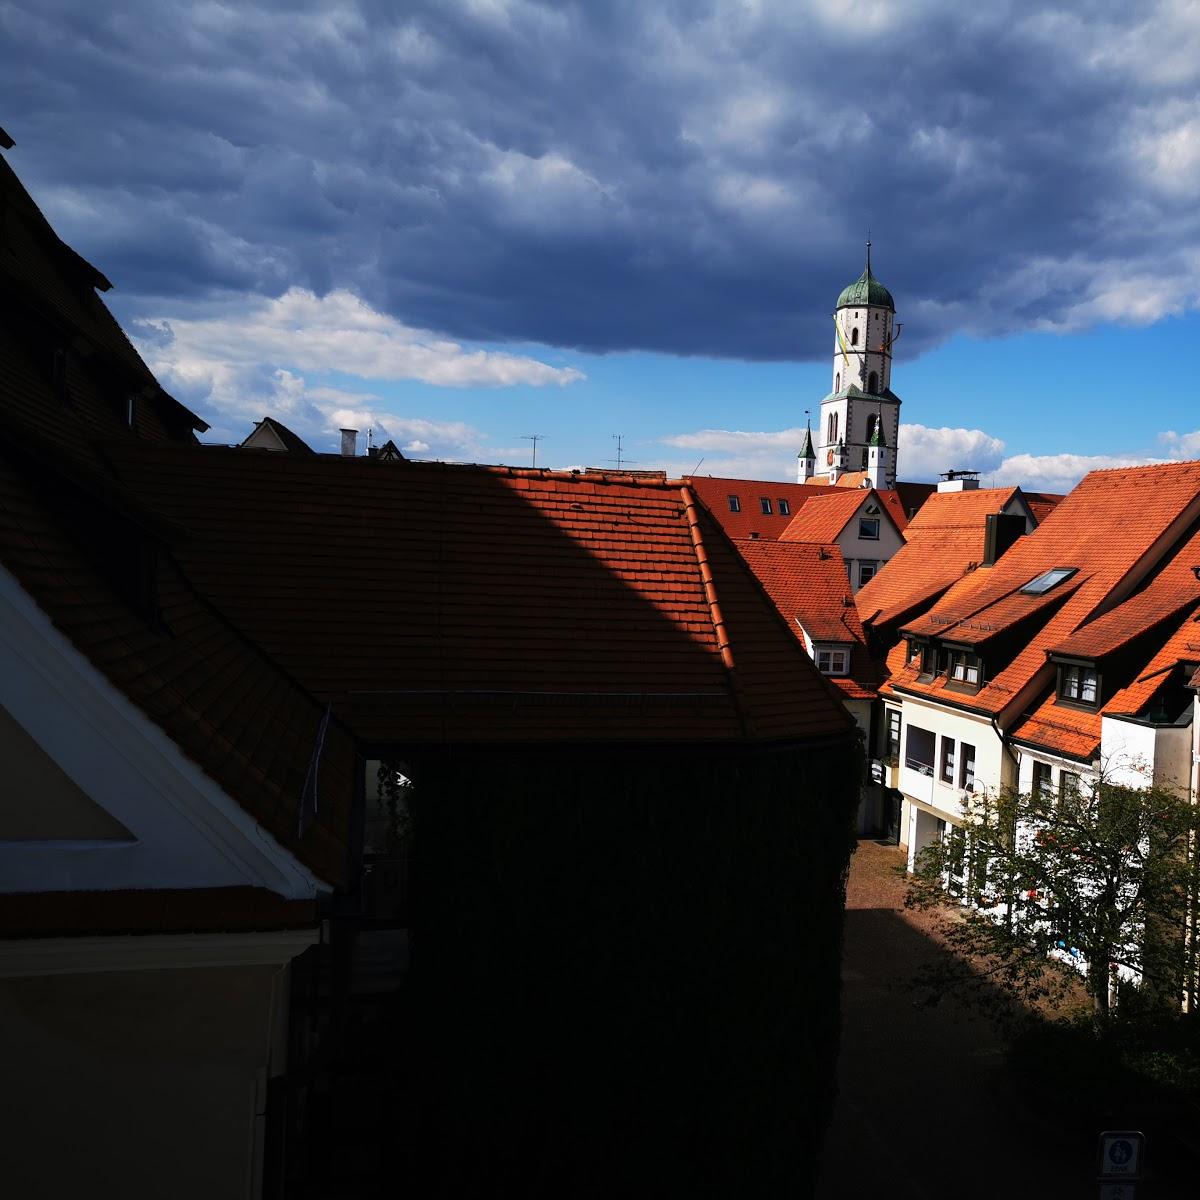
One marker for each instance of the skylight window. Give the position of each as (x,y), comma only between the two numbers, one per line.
(1050,579)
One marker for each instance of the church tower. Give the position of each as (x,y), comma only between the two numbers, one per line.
(862,398)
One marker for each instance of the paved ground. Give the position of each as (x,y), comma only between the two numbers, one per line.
(924,1112)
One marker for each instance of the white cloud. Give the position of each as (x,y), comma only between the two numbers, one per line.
(337,332)
(925,453)
(1059,472)
(1180,445)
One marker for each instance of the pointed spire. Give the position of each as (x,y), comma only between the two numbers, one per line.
(868,272)
(807,451)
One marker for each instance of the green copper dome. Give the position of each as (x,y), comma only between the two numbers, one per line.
(866,289)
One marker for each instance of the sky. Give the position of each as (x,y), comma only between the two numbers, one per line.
(464,222)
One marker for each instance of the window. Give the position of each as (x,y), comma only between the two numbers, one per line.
(837,382)
(872,383)
(765,504)
(1068,785)
(914,651)
(893,733)
(964,668)
(833,429)
(947,773)
(1041,779)
(966,767)
(735,504)
(1080,685)
(832,662)
(784,507)
(854,336)
(868,528)
(929,657)
(866,572)
(1047,580)
(918,750)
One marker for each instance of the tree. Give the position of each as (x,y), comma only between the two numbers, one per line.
(1102,877)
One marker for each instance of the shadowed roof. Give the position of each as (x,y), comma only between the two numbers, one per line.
(473,604)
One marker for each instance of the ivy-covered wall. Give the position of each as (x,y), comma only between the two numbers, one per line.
(626,967)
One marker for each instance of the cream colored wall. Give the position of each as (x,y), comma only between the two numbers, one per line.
(993,767)
(135,1084)
(38,800)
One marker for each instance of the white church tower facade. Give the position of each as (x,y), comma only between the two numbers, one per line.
(861,399)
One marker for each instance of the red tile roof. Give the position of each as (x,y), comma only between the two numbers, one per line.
(1112,526)
(942,542)
(809,586)
(1041,504)
(443,603)
(750,520)
(824,518)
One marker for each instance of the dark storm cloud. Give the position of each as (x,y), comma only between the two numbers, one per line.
(691,179)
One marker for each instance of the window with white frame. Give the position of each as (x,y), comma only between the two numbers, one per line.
(832,661)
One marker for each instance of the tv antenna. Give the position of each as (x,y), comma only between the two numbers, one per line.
(534,438)
(620,459)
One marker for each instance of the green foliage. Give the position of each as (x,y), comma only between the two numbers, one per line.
(1105,874)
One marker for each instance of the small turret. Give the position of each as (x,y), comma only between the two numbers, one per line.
(806,466)
(877,456)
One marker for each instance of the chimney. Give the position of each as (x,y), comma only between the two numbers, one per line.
(959,481)
(1002,531)
(349,443)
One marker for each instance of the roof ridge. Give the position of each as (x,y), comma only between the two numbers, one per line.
(714,607)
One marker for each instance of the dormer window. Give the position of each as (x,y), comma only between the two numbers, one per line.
(965,670)
(1047,580)
(831,661)
(1078,684)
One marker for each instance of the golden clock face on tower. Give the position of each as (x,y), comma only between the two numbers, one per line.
(829,458)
